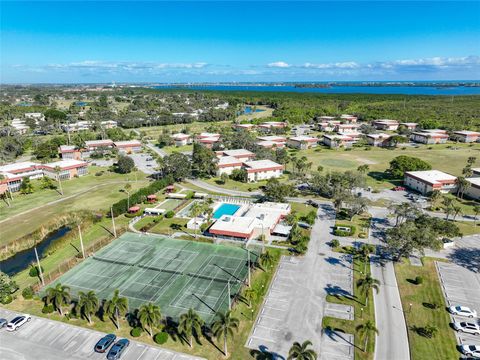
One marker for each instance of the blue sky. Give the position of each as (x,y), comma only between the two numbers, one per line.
(232,41)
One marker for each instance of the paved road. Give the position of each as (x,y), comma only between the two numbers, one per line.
(392,340)
(156,149)
(43,339)
(295,304)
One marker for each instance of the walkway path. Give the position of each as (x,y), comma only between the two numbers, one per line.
(392,339)
(157,150)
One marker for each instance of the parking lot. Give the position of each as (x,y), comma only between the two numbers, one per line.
(144,165)
(46,339)
(295,302)
(460,287)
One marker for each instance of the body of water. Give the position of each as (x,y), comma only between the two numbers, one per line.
(22,260)
(406,90)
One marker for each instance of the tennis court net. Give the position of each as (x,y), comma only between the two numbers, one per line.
(112,261)
(223,280)
(158,268)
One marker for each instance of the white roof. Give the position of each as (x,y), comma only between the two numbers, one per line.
(128,143)
(467,132)
(476,170)
(67,148)
(270,143)
(273,123)
(272,138)
(304,138)
(379,136)
(327,117)
(238,152)
(431,176)
(207,135)
(261,164)
(474,181)
(337,137)
(386,121)
(237,224)
(66,163)
(106,142)
(180,136)
(229,160)
(409,123)
(17,166)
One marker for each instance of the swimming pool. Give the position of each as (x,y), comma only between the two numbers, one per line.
(225,209)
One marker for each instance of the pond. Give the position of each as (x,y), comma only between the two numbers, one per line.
(22,260)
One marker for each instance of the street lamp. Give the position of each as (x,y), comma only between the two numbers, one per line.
(410,310)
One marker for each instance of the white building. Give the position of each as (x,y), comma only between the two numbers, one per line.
(247,127)
(267,126)
(226,165)
(409,125)
(20,126)
(349,118)
(336,141)
(429,137)
(380,140)
(473,191)
(67,169)
(302,142)
(466,136)
(241,154)
(386,124)
(14,173)
(36,116)
(128,147)
(69,152)
(181,139)
(262,170)
(271,144)
(208,139)
(251,221)
(427,181)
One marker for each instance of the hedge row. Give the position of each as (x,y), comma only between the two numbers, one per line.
(140,196)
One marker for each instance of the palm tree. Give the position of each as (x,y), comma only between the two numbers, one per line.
(115,306)
(196,210)
(366,284)
(251,294)
(364,253)
(58,296)
(301,351)
(435,197)
(456,210)
(363,169)
(149,316)
(476,211)
(223,327)
(266,259)
(57,172)
(462,185)
(127,189)
(367,329)
(190,324)
(88,304)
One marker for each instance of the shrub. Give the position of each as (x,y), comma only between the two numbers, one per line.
(99,173)
(161,338)
(169,214)
(33,272)
(419,280)
(362,235)
(334,243)
(136,332)
(48,309)
(27,293)
(133,215)
(189,195)
(6,299)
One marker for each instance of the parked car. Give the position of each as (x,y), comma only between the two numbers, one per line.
(313,203)
(117,350)
(467,327)
(398,188)
(471,350)
(462,311)
(104,343)
(3,322)
(17,322)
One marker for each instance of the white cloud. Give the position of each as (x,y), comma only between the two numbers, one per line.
(279,64)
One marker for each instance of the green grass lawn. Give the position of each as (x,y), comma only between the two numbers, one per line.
(202,347)
(439,156)
(89,192)
(443,345)
(358,302)
(468,227)
(172,149)
(360,222)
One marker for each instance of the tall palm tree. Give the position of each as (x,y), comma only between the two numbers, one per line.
(367,330)
(116,306)
(127,189)
(363,169)
(251,294)
(462,185)
(223,327)
(266,259)
(149,316)
(190,324)
(456,210)
(366,284)
(476,211)
(59,296)
(57,172)
(301,351)
(88,304)
(364,253)
(195,211)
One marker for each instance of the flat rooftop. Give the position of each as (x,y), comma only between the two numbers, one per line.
(238,152)
(67,163)
(98,142)
(304,138)
(432,176)
(17,166)
(262,165)
(128,143)
(272,138)
(226,161)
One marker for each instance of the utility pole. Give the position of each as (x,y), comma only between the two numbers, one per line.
(81,240)
(39,267)
(229,299)
(113,222)
(249,276)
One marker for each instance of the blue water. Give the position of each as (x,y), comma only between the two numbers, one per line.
(249,110)
(406,90)
(80,103)
(225,209)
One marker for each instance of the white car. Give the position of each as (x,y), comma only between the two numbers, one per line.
(471,350)
(462,311)
(466,327)
(17,322)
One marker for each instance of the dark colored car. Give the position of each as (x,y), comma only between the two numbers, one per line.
(118,349)
(3,322)
(104,343)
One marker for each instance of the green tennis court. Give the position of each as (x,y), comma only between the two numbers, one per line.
(175,274)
